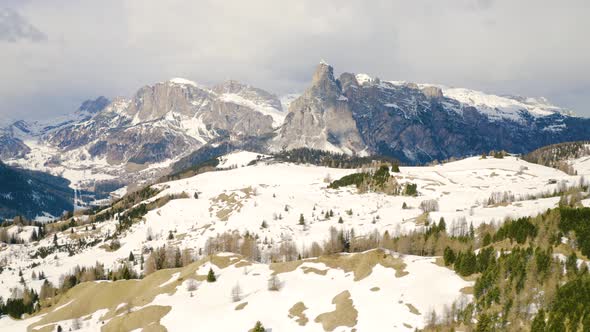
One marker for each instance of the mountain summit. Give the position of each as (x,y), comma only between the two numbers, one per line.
(321,118)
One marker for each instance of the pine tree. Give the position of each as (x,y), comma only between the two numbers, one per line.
(211,276)
(340,220)
(538,324)
(177,258)
(301,219)
(196,195)
(258,327)
(449,256)
(442,225)
(131,257)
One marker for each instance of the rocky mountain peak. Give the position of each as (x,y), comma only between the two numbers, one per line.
(348,80)
(432,92)
(323,83)
(321,117)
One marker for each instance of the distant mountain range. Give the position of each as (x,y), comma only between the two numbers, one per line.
(132,140)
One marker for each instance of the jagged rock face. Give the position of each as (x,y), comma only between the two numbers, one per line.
(419,125)
(234,119)
(154,102)
(432,92)
(80,134)
(321,118)
(248,92)
(171,119)
(143,145)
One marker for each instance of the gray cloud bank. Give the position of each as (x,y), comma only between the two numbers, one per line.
(112,47)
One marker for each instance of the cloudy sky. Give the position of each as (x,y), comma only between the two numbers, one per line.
(55,54)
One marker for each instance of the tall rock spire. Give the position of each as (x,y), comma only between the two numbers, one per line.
(321,118)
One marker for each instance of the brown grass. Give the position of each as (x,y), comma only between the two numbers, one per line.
(297,311)
(361,264)
(467,290)
(241,306)
(308,269)
(344,315)
(148,317)
(88,297)
(413,309)
(227,204)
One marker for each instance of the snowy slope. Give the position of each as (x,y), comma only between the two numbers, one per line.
(386,298)
(239,198)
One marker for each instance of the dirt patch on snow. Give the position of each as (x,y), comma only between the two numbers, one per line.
(361,264)
(413,309)
(344,315)
(241,306)
(296,311)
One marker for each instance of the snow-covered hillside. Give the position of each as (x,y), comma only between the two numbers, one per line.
(379,291)
(287,203)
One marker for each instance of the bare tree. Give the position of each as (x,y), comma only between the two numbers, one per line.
(274,283)
(236,293)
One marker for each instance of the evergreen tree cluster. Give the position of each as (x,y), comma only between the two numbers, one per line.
(518,230)
(578,221)
(16,307)
(330,159)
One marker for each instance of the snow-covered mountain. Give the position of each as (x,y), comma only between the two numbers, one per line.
(420,122)
(139,138)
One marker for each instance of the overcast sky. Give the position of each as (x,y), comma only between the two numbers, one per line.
(55,54)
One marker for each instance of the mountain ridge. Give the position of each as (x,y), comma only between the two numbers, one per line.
(134,139)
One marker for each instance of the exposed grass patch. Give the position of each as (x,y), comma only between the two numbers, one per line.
(147,319)
(421,219)
(297,311)
(241,306)
(308,269)
(88,297)
(344,315)
(375,289)
(243,264)
(228,203)
(361,264)
(467,290)
(413,309)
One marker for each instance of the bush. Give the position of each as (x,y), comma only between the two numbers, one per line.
(411,189)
